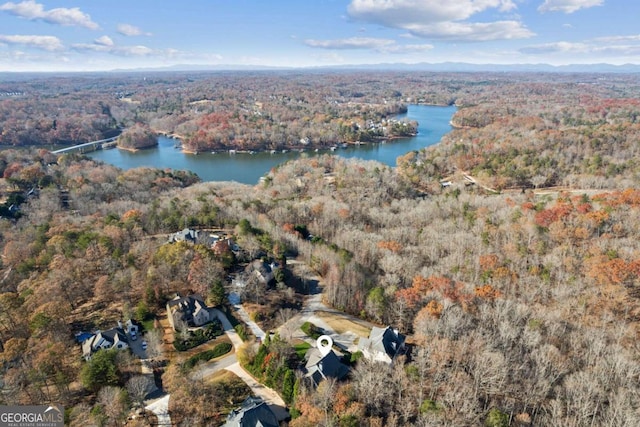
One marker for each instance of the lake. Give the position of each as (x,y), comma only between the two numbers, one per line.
(248,168)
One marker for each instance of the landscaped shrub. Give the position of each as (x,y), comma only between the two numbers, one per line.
(199,336)
(217,351)
(311,330)
(241,330)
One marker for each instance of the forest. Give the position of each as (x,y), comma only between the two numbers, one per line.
(518,289)
(207,111)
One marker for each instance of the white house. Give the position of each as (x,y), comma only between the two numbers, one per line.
(104,340)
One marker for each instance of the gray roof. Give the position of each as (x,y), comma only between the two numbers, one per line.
(184,308)
(186,235)
(254,412)
(197,237)
(320,367)
(111,336)
(383,340)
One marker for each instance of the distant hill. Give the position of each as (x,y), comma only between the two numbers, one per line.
(422,66)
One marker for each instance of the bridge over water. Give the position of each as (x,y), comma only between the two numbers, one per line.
(88,146)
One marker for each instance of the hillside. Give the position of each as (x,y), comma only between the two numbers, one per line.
(522,304)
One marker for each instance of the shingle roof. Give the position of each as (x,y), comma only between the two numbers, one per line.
(383,340)
(319,367)
(254,412)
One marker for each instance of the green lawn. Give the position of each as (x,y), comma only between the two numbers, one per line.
(301,349)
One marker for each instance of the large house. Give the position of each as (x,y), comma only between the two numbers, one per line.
(111,338)
(321,366)
(187,235)
(383,345)
(189,311)
(219,243)
(323,363)
(254,412)
(263,271)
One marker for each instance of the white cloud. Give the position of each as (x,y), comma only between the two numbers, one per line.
(104,41)
(131,30)
(409,48)
(105,45)
(368,43)
(397,13)
(568,6)
(472,31)
(49,43)
(617,46)
(350,43)
(615,39)
(558,47)
(32,11)
(441,20)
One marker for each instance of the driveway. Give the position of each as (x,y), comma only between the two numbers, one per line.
(267,394)
(136,347)
(209,368)
(160,407)
(255,329)
(228,328)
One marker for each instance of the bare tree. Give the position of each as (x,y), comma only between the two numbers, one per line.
(154,344)
(139,386)
(112,400)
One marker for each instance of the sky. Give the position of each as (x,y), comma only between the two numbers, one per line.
(102,35)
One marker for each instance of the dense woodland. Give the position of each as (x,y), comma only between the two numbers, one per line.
(207,111)
(521,300)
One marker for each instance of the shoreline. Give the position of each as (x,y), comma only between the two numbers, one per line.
(134,150)
(337,145)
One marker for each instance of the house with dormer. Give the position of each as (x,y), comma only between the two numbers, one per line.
(383,345)
(105,340)
(189,311)
(319,366)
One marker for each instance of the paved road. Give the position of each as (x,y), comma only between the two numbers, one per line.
(312,305)
(209,368)
(160,407)
(230,363)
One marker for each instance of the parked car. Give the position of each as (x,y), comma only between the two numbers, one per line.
(133,336)
(144,345)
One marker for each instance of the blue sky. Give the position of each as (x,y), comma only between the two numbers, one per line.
(59,35)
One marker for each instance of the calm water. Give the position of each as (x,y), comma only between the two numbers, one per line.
(248,168)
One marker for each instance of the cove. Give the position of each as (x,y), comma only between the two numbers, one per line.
(434,123)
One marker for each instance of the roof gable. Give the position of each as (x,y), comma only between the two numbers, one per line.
(253,412)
